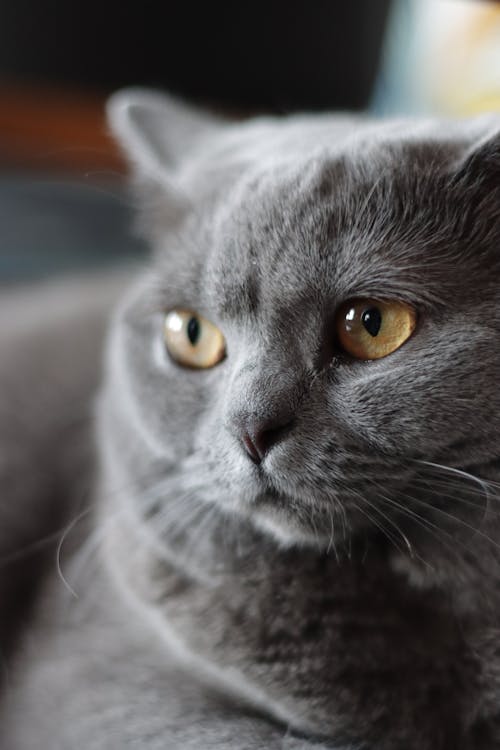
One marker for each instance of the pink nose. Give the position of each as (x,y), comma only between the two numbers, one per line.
(259,435)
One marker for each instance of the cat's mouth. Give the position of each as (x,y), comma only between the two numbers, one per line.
(270,494)
(292,520)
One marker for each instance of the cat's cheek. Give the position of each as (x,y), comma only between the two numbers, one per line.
(234,478)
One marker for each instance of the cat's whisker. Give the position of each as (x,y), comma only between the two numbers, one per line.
(379,526)
(87,551)
(157,500)
(456,519)
(34,547)
(90,545)
(387,501)
(162,489)
(438,533)
(174,531)
(390,521)
(173,525)
(452,481)
(457,472)
(331,543)
(98,535)
(208,515)
(485,487)
(343,521)
(426,526)
(178,524)
(311,522)
(402,508)
(199,526)
(178,500)
(455,497)
(458,481)
(69,528)
(173,521)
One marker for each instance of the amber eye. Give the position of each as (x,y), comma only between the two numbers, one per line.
(193,341)
(372,329)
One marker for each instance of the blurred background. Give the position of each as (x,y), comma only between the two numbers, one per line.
(63,204)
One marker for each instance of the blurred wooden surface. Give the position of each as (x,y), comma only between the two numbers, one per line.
(47,129)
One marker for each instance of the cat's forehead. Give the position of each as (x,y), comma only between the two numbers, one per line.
(320,228)
(274,233)
(374,211)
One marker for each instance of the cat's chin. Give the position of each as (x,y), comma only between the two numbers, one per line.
(287,532)
(291,521)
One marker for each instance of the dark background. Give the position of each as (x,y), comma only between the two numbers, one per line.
(64,206)
(245,55)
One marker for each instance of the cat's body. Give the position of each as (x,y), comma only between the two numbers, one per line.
(336,584)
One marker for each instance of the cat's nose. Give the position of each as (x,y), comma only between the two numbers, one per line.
(258,435)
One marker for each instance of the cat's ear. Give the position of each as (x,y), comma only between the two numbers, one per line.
(156,131)
(479,166)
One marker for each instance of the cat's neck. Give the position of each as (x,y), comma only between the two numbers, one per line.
(205,549)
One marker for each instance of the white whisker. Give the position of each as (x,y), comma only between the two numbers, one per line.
(63,538)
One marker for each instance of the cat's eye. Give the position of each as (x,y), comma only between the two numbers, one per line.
(192,340)
(372,329)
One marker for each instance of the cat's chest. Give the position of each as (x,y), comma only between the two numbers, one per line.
(311,640)
(312,637)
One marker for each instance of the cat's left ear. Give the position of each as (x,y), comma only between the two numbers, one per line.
(479,167)
(156,131)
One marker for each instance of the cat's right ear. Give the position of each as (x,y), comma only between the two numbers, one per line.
(479,167)
(156,131)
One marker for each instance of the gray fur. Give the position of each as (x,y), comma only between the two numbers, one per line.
(344,594)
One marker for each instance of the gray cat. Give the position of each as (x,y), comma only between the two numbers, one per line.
(288,536)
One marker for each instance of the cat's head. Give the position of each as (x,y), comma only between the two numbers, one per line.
(319,327)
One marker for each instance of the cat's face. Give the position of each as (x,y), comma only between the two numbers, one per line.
(266,231)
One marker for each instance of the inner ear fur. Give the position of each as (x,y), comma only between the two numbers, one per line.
(156,131)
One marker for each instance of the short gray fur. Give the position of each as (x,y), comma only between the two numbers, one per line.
(344,593)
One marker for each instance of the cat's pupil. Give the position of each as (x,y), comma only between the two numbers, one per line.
(193,330)
(372,320)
